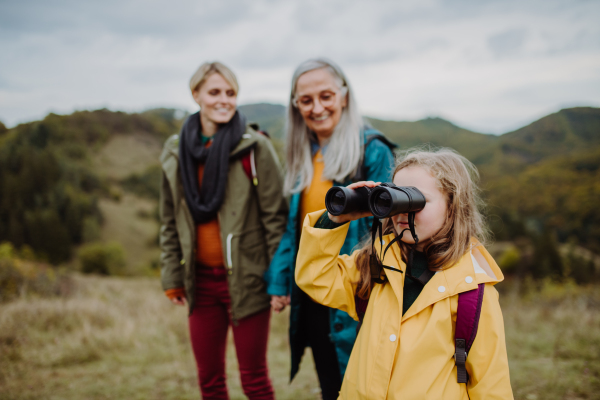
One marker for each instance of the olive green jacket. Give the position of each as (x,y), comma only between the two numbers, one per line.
(252,220)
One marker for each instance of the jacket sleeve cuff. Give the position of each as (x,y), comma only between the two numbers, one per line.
(174,293)
(277,290)
(325,223)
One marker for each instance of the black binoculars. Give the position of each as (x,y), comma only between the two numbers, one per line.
(383,201)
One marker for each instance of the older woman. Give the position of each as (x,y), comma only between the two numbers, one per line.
(328,144)
(223,214)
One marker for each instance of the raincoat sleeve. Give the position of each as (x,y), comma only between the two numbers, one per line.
(321,272)
(487,362)
(172,271)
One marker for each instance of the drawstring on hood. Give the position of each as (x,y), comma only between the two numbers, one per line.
(376,263)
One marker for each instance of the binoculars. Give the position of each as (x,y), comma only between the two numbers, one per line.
(385,200)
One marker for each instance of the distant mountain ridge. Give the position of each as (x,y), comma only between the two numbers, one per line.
(270,117)
(519,169)
(565,132)
(436,132)
(561,133)
(544,175)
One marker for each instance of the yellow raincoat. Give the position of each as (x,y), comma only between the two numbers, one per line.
(411,356)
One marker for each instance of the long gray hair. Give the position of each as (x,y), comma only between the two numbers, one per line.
(344,148)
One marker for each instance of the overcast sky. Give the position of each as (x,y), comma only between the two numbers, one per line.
(490,66)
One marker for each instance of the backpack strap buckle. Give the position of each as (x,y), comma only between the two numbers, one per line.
(467,322)
(460,359)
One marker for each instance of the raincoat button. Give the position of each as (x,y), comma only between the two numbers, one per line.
(441,289)
(338,327)
(468,279)
(392,338)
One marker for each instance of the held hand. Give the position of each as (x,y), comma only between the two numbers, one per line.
(279,302)
(340,219)
(180,301)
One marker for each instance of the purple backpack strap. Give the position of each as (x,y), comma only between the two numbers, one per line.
(467,321)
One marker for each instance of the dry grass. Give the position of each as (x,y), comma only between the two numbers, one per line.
(137,235)
(120,157)
(123,155)
(119,338)
(553,341)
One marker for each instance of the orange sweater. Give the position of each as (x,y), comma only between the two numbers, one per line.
(209,251)
(208,243)
(313,197)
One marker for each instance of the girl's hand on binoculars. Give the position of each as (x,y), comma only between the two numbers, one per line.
(356,185)
(340,219)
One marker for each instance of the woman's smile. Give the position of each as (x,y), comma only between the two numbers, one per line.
(321,117)
(223,110)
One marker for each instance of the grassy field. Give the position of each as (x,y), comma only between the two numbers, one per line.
(123,218)
(119,338)
(137,235)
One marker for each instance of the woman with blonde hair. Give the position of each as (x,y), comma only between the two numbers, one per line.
(223,214)
(327,144)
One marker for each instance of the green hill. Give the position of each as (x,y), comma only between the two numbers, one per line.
(561,133)
(542,177)
(568,131)
(59,174)
(92,175)
(440,133)
(270,117)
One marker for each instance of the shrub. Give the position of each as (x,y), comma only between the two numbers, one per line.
(91,229)
(580,265)
(11,280)
(102,258)
(509,259)
(146,184)
(22,276)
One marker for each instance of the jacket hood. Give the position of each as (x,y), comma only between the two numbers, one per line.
(380,136)
(475,267)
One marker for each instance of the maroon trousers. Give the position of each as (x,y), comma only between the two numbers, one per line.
(209,324)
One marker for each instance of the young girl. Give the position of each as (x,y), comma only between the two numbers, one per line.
(405,348)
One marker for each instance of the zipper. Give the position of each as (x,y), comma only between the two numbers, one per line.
(229,261)
(253,168)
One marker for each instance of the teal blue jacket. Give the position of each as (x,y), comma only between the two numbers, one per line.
(378,165)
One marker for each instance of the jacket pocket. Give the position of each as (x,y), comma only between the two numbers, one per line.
(253,260)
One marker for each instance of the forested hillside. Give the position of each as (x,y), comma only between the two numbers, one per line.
(541,184)
(438,132)
(52,182)
(93,176)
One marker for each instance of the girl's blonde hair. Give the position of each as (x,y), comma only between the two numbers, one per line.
(344,151)
(209,68)
(457,179)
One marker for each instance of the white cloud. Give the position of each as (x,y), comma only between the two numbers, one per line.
(488,65)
